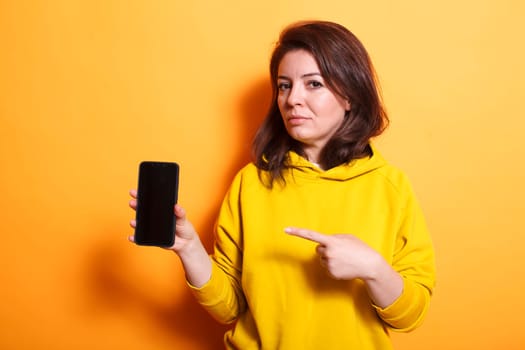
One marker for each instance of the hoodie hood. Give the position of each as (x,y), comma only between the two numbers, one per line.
(303,168)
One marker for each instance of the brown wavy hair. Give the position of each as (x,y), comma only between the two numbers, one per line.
(348,71)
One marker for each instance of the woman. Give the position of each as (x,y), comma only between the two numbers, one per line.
(320,243)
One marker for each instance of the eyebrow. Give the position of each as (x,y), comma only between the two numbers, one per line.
(302,76)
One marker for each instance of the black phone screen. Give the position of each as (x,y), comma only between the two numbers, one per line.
(157,194)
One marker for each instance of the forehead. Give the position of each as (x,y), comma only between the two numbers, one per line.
(297,62)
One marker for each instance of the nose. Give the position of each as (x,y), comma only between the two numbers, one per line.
(295,95)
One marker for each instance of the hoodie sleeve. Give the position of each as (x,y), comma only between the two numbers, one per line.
(414,260)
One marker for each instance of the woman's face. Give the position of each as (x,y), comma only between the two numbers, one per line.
(310,110)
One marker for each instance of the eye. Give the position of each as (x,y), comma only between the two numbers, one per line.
(283,86)
(315,84)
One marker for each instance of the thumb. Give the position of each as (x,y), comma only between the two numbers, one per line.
(180,214)
(183,225)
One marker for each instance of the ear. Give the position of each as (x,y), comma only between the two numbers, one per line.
(348,106)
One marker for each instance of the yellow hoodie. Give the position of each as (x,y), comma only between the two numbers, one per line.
(272,284)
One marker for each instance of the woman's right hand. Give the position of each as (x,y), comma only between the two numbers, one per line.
(185,233)
(187,246)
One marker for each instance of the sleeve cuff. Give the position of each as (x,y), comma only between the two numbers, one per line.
(408,310)
(212,291)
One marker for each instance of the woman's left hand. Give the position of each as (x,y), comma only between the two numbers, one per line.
(343,255)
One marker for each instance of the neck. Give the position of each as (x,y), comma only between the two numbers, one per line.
(312,154)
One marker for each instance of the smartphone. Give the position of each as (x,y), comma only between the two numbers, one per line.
(158,188)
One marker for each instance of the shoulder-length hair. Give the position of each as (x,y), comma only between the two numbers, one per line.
(348,71)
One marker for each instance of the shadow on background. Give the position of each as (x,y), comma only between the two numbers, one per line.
(115,289)
(253,107)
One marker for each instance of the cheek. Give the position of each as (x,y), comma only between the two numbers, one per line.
(340,106)
(328,106)
(281,104)
(280,100)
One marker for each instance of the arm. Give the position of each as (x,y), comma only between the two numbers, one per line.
(193,255)
(222,295)
(413,259)
(383,283)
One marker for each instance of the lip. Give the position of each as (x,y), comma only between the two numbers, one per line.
(296,119)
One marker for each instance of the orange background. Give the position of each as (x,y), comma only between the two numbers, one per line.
(88,89)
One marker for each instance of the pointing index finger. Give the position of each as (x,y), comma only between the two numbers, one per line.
(307,234)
